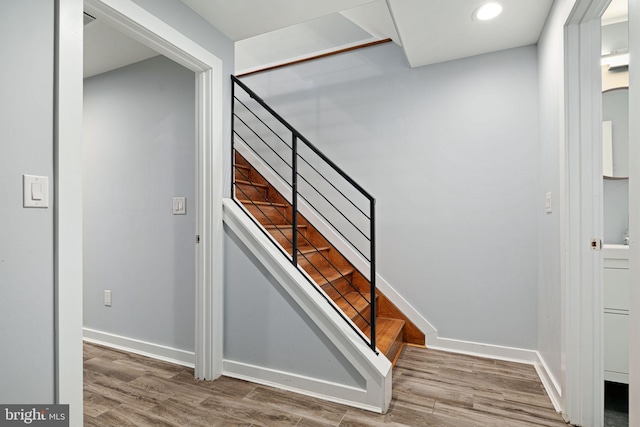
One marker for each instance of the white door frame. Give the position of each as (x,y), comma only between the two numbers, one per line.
(67,187)
(137,23)
(582,216)
(634,211)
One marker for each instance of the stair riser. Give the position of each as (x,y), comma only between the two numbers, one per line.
(285,236)
(396,347)
(337,287)
(250,192)
(364,319)
(267,215)
(242,174)
(310,261)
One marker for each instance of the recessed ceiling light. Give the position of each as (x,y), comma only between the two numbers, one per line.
(487,11)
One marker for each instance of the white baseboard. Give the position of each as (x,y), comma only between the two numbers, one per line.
(132,345)
(510,354)
(330,391)
(550,383)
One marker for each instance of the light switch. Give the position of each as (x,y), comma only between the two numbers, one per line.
(547,203)
(179,205)
(35,191)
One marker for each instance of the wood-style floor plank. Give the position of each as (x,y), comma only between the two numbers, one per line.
(430,388)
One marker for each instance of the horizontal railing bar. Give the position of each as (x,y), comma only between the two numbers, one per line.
(299,155)
(260,138)
(262,121)
(261,158)
(335,289)
(335,268)
(332,205)
(336,188)
(300,136)
(336,229)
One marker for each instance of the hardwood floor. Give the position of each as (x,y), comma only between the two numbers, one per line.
(430,388)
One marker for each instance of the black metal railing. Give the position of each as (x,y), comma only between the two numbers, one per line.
(306,177)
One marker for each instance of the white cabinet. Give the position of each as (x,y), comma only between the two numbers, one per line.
(616,313)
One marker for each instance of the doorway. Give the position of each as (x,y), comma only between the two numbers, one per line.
(139,156)
(137,23)
(584,312)
(615,122)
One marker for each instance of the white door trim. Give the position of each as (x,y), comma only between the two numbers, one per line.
(634,211)
(582,217)
(68,207)
(136,22)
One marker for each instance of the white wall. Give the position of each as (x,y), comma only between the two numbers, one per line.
(551,155)
(139,152)
(450,152)
(26,235)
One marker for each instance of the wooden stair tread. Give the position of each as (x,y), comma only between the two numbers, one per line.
(308,249)
(328,274)
(387,332)
(282,226)
(253,184)
(261,203)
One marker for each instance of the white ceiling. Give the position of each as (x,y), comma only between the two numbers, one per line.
(429,31)
(617,11)
(106,49)
(441,30)
(241,19)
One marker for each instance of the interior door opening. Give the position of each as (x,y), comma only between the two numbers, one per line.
(139,139)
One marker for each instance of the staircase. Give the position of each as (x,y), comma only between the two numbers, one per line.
(332,274)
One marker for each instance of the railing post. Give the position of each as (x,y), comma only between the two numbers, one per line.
(294,198)
(372,278)
(233,157)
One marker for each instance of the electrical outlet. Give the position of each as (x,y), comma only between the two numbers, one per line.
(107,298)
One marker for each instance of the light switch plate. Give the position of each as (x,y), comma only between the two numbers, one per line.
(547,203)
(35,191)
(179,205)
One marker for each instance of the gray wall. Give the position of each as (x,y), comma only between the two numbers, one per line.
(615,37)
(186,21)
(26,235)
(264,327)
(139,152)
(450,152)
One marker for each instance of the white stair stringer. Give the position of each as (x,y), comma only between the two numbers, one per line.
(374,368)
